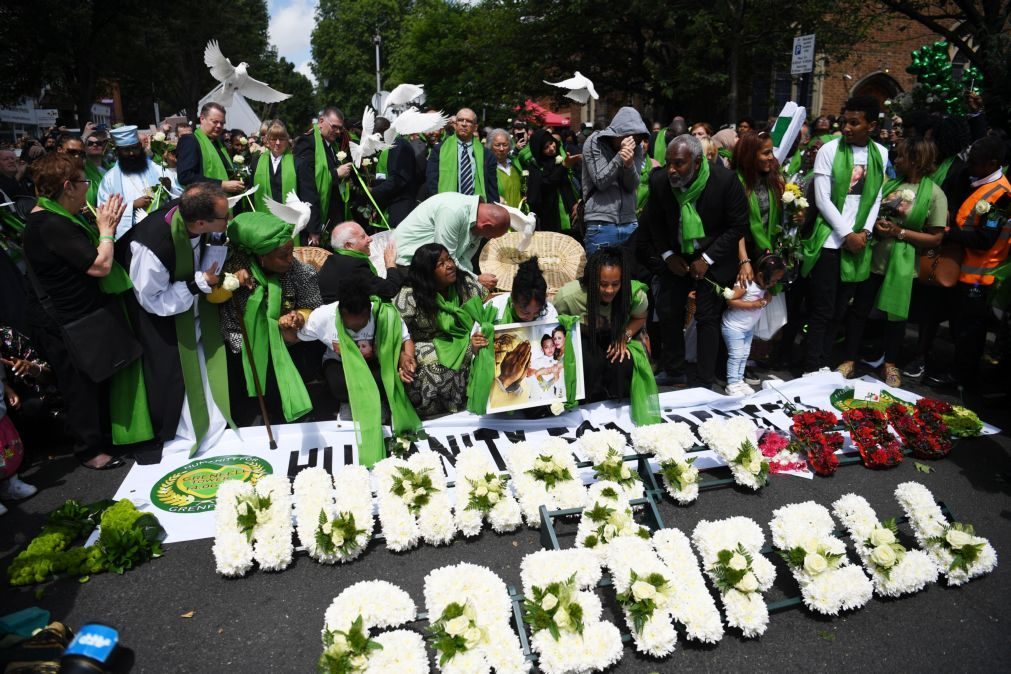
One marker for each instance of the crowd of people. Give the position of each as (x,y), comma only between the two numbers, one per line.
(149,309)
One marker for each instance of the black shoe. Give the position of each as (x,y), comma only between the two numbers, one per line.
(914,368)
(751,379)
(941,380)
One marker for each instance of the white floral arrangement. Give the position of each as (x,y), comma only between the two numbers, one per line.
(607,517)
(546,475)
(470,612)
(554,581)
(253,523)
(960,554)
(334,524)
(735,442)
(691,605)
(353,614)
(894,570)
(481,492)
(670,443)
(645,592)
(732,559)
(413,503)
(803,533)
(606,449)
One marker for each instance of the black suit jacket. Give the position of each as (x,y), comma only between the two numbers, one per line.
(397,194)
(339,268)
(490,179)
(724,212)
(305,176)
(190,166)
(275,178)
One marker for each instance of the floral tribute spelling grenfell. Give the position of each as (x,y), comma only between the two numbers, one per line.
(253,523)
(470,610)
(923,429)
(564,612)
(608,517)
(828,582)
(412,501)
(954,546)
(894,570)
(734,440)
(482,493)
(606,449)
(348,643)
(732,558)
(691,604)
(868,429)
(334,515)
(669,443)
(645,588)
(815,434)
(545,474)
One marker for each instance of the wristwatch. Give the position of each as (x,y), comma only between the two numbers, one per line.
(901,236)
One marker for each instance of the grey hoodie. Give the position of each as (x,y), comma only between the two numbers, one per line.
(609,187)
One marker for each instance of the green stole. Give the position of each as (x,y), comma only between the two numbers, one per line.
(265,339)
(128,410)
(455,320)
(482,367)
(324,179)
(361,256)
(363,393)
(660,155)
(383,163)
(852,266)
(449,166)
(726,153)
(510,187)
(216,165)
(643,391)
(262,178)
(210,336)
(691,222)
(763,233)
(897,288)
(9,219)
(941,172)
(95,176)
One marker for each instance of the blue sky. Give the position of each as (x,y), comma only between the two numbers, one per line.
(291,23)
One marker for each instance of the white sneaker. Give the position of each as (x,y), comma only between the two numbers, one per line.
(14,489)
(739,389)
(818,371)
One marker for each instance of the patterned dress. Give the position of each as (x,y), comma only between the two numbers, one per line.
(436,388)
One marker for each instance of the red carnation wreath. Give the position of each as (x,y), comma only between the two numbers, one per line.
(868,429)
(922,430)
(815,435)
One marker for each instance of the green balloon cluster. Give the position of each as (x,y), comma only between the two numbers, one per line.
(932,67)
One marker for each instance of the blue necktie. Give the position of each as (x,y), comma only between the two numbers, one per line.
(466,170)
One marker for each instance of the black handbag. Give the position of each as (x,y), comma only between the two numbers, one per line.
(100,343)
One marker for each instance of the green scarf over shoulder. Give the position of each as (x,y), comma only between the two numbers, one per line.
(455,320)
(691,221)
(643,392)
(262,178)
(449,165)
(897,287)
(510,187)
(95,176)
(763,231)
(215,161)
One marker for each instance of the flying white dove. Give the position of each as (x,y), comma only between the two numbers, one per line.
(239,197)
(293,211)
(401,95)
(372,142)
(580,88)
(411,121)
(235,79)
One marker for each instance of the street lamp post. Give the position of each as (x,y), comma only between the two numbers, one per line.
(377,40)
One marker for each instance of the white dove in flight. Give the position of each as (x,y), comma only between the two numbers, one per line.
(580,88)
(293,211)
(401,95)
(411,122)
(372,142)
(235,79)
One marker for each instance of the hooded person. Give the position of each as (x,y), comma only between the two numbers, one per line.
(138,180)
(275,288)
(550,194)
(612,161)
(724,141)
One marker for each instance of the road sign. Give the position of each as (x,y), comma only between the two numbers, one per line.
(803,55)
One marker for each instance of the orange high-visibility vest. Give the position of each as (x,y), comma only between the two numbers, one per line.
(978,265)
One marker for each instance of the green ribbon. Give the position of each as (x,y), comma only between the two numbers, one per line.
(324,178)
(763,232)
(897,287)
(852,266)
(455,320)
(482,367)
(95,176)
(262,178)
(660,155)
(216,163)
(449,166)
(363,393)
(210,336)
(569,360)
(941,172)
(643,391)
(8,218)
(691,222)
(368,193)
(357,254)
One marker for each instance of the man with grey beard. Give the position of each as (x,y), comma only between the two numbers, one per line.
(694,218)
(136,178)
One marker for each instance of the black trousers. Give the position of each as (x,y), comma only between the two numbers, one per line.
(333,372)
(671,304)
(827,300)
(602,379)
(864,299)
(969,330)
(246,408)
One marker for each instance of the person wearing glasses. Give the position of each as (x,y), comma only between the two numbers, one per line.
(202,155)
(323,167)
(274,170)
(460,163)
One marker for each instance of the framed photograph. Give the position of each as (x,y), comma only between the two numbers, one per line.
(528,365)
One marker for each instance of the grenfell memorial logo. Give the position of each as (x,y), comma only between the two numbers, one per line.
(193,488)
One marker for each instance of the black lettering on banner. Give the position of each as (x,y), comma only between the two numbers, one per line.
(488,436)
(692,424)
(467,441)
(349,455)
(556,432)
(436,446)
(584,427)
(294,467)
(515,436)
(701,415)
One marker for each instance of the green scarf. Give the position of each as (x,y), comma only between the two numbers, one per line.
(852,266)
(262,178)
(763,232)
(362,390)
(361,256)
(216,162)
(128,410)
(482,367)
(643,391)
(941,172)
(660,155)
(449,166)
(726,153)
(455,320)
(324,180)
(510,187)
(210,336)
(569,361)
(8,218)
(691,223)
(897,288)
(95,176)
(259,234)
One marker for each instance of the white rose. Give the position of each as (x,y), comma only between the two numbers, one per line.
(549,602)
(755,465)
(243,141)
(238,159)
(610,531)
(457,626)
(160,136)
(526,173)
(420,491)
(907,195)
(493,497)
(469,611)
(815,563)
(342,155)
(957,539)
(404,442)
(747,584)
(230,282)
(408,497)
(557,408)
(327,528)
(884,556)
(881,536)
(738,562)
(788,197)
(888,102)
(802,203)
(562,619)
(690,474)
(642,590)
(340,643)
(366,162)
(559,159)
(625,473)
(728,293)
(359,662)
(982,207)
(262,516)
(338,539)
(473,636)
(481,491)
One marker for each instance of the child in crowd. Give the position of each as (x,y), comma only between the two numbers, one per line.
(11,451)
(739,320)
(544,367)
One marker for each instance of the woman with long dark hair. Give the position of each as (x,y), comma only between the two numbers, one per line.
(440,304)
(550,194)
(757,170)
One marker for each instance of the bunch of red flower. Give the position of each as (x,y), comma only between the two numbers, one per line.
(869,431)
(815,435)
(924,431)
(780,452)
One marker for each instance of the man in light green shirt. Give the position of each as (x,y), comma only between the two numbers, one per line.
(458,222)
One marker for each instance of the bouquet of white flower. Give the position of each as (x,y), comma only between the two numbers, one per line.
(645,588)
(481,492)
(670,444)
(253,523)
(608,517)
(691,603)
(606,450)
(334,525)
(412,501)
(544,475)
(734,440)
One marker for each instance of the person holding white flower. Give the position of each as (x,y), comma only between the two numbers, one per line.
(550,193)
(916,212)
(136,179)
(745,307)
(323,168)
(203,157)
(755,165)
